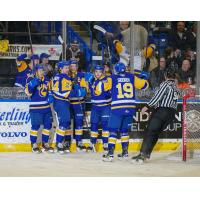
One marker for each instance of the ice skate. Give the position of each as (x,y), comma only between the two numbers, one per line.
(47,148)
(123,155)
(35,149)
(139,159)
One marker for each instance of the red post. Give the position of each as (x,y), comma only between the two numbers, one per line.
(184,130)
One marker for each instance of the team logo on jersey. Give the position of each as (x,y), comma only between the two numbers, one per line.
(42,90)
(193,121)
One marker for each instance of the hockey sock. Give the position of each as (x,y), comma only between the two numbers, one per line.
(33,136)
(60,133)
(105,135)
(93,137)
(45,135)
(78,134)
(124,140)
(112,141)
(68,135)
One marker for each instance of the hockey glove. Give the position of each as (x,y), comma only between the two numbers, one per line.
(89,77)
(34,83)
(50,98)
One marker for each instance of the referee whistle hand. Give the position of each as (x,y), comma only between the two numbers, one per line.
(144,109)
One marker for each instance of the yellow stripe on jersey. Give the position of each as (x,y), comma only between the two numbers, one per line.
(77,102)
(39,107)
(106,104)
(60,98)
(116,107)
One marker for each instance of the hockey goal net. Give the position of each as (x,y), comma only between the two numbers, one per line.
(190,145)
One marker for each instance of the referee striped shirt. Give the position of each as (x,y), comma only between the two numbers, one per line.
(165,96)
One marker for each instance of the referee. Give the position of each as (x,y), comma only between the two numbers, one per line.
(165,103)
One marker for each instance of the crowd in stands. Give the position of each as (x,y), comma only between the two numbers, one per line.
(180,52)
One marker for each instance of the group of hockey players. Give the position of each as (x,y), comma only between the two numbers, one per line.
(112,98)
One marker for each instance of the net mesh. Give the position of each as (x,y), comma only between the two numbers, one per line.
(192,122)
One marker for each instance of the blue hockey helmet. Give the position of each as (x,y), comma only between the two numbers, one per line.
(34,57)
(120,68)
(44,55)
(21,57)
(37,67)
(73,62)
(63,63)
(98,67)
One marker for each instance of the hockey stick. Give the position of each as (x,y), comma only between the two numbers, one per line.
(30,39)
(102,30)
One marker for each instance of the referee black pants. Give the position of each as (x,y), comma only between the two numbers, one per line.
(158,121)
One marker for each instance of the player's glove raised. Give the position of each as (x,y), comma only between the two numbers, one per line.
(34,83)
(89,77)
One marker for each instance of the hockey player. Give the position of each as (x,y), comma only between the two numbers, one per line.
(23,71)
(35,60)
(44,59)
(38,88)
(62,87)
(77,103)
(122,86)
(101,101)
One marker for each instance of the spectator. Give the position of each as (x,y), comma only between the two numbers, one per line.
(48,69)
(191,37)
(107,69)
(178,39)
(74,53)
(140,38)
(172,59)
(185,73)
(181,84)
(157,75)
(124,25)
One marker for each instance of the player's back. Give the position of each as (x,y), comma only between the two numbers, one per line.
(123,93)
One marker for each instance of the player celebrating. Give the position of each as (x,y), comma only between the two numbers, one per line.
(62,86)
(100,112)
(165,102)
(77,103)
(38,88)
(23,71)
(122,86)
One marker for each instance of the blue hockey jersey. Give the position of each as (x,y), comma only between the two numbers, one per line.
(62,86)
(77,79)
(23,72)
(99,97)
(39,95)
(122,89)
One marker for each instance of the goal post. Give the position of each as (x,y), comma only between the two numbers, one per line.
(190,142)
